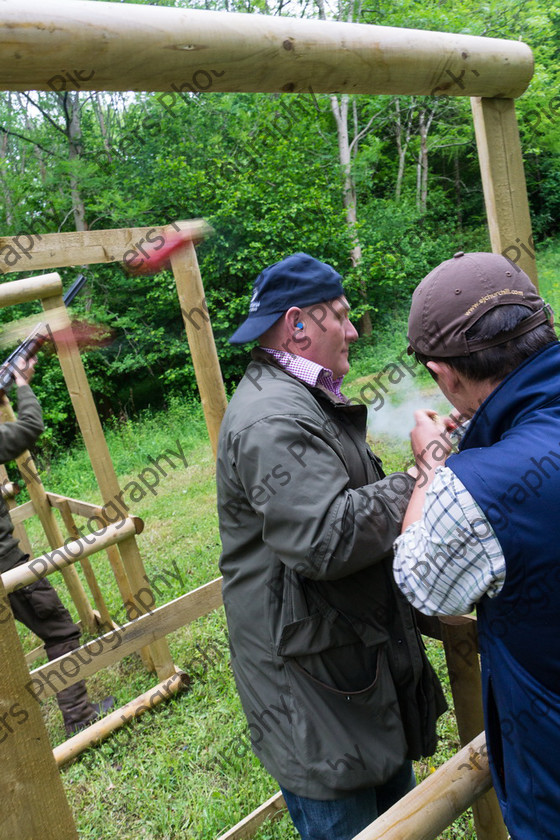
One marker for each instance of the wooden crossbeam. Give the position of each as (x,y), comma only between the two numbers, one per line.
(64,45)
(55,250)
(113,646)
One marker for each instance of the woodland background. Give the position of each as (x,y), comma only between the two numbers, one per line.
(382,187)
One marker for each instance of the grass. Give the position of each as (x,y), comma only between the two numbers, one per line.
(185,770)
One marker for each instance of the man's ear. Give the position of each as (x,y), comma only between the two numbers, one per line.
(445,376)
(292,318)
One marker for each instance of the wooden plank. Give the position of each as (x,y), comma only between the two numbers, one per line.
(158,658)
(460,641)
(34,801)
(201,340)
(77,506)
(55,250)
(432,806)
(101,729)
(87,568)
(141,47)
(114,645)
(503,182)
(272,809)
(22,512)
(69,553)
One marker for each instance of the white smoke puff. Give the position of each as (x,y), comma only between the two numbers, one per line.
(395,416)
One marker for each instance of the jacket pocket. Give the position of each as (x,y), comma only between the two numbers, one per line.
(347,730)
(338,653)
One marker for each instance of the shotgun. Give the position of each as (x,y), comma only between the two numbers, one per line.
(37,337)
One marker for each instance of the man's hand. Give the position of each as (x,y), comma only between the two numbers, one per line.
(430,439)
(24,376)
(431,446)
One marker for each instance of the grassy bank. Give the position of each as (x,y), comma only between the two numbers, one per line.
(186,770)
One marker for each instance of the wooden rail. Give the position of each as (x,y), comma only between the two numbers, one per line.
(65,45)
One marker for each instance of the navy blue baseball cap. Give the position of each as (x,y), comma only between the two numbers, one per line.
(298,280)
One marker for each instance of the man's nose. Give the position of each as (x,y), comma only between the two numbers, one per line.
(351,332)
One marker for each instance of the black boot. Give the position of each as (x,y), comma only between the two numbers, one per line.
(77,709)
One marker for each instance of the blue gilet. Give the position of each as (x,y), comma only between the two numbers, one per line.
(510,463)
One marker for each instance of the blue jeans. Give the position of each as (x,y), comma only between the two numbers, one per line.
(342,819)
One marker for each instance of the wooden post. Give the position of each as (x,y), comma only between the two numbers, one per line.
(432,806)
(503,182)
(33,801)
(50,525)
(201,339)
(85,563)
(158,655)
(193,50)
(460,640)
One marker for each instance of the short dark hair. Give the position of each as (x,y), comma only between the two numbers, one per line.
(495,363)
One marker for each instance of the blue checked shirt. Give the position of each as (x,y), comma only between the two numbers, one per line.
(450,558)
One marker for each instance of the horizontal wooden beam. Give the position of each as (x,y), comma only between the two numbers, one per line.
(76,506)
(56,250)
(432,806)
(113,646)
(22,512)
(69,553)
(68,45)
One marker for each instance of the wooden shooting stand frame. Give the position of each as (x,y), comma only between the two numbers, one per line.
(270,54)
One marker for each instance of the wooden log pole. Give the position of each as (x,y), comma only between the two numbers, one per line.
(65,45)
(86,509)
(460,641)
(432,806)
(201,340)
(503,182)
(101,729)
(30,288)
(33,800)
(69,553)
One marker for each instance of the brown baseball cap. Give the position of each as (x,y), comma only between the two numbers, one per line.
(452,297)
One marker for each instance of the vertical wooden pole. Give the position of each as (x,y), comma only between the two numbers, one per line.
(85,563)
(157,655)
(201,339)
(460,641)
(33,800)
(50,526)
(503,181)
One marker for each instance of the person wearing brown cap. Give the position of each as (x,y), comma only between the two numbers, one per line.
(334,682)
(484,528)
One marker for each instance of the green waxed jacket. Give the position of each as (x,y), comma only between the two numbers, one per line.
(15,438)
(327,658)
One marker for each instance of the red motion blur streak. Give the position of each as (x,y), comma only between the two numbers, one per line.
(159,258)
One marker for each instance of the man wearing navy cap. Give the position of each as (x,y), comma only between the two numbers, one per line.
(334,682)
(484,529)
